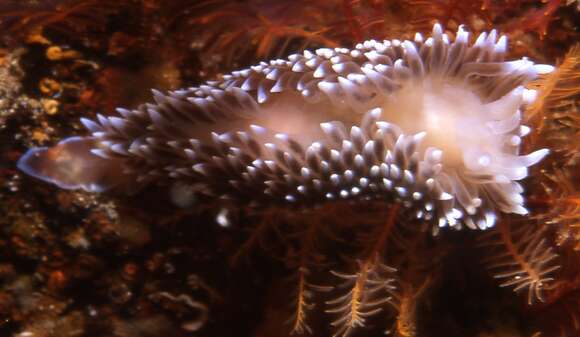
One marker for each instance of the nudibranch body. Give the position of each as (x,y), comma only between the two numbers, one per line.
(432,123)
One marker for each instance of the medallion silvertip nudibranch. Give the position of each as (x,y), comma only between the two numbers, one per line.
(432,123)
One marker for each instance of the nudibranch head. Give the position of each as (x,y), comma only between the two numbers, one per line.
(432,123)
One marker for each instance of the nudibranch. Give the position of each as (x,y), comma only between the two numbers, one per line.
(434,124)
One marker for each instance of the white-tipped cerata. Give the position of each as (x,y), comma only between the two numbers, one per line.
(432,123)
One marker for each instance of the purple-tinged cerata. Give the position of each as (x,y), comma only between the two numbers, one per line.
(431,123)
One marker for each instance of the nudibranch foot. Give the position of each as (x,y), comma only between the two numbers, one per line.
(71,164)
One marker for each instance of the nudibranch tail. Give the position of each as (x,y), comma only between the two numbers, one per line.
(71,164)
(432,123)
